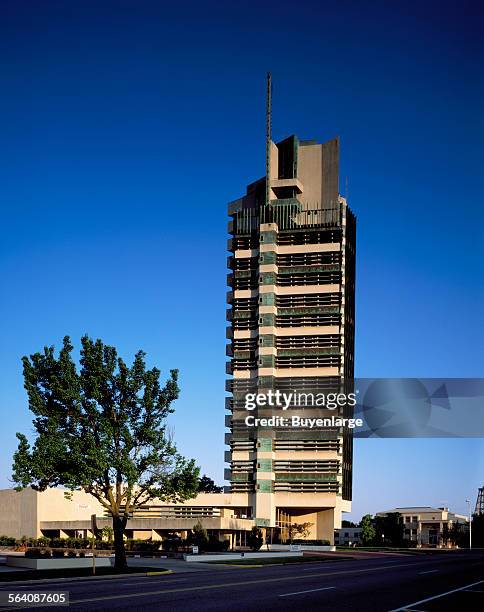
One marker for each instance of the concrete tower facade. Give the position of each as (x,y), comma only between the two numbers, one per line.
(291,325)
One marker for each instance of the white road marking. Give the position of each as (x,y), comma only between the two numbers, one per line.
(429,572)
(149,579)
(230,584)
(416,603)
(309,591)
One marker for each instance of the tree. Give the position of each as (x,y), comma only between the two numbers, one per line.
(207,485)
(445,534)
(102,430)
(199,536)
(300,529)
(389,529)
(367,530)
(348,524)
(255,539)
(107,532)
(459,535)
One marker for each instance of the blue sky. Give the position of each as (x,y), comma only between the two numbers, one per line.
(127,127)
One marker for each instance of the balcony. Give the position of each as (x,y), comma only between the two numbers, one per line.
(284,183)
(308,310)
(309,268)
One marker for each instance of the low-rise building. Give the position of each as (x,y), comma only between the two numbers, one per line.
(33,514)
(347,536)
(428,526)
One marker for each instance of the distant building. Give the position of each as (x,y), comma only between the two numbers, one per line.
(480,501)
(427,526)
(347,536)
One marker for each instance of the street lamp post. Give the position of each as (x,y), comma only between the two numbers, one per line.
(470,524)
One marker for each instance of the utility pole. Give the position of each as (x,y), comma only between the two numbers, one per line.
(94,529)
(470,524)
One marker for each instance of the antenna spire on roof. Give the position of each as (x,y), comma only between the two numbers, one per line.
(268,136)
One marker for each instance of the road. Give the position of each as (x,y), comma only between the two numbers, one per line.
(448,581)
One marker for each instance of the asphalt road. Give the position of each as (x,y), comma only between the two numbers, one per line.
(448,581)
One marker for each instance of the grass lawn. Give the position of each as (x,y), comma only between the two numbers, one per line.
(278,560)
(23,575)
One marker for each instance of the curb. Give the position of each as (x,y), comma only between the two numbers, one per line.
(82,578)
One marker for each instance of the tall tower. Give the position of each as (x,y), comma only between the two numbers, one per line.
(291,325)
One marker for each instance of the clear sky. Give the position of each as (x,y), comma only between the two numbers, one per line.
(126,128)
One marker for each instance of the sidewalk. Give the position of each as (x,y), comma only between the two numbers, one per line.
(176,565)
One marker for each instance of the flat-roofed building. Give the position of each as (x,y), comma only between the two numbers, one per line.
(427,526)
(292,321)
(347,536)
(33,514)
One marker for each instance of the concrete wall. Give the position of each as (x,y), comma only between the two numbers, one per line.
(57,563)
(18,513)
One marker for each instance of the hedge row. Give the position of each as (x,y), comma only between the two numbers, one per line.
(46,553)
(312,542)
(76,543)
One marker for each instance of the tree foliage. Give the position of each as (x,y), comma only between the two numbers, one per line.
(255,538)
(102,429)
(198,536)
(389,529)
(207,485)
(367,530)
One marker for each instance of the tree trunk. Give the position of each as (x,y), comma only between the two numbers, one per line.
(119,525)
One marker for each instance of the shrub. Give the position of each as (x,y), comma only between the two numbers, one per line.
(43,541)
(82,554)
(215,545)
(171,544)
(71,554)
(312,542)
(58,554)
(76,543)
(137,545)
(255,539)
(198,536)
(7,541)
(38,553)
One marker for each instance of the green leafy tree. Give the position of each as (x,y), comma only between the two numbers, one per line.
(255,539)
(199,536)
(445,534)
(459,535)
(207,485)
(107,533)
(102,430)
(389,529)
(367,530)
